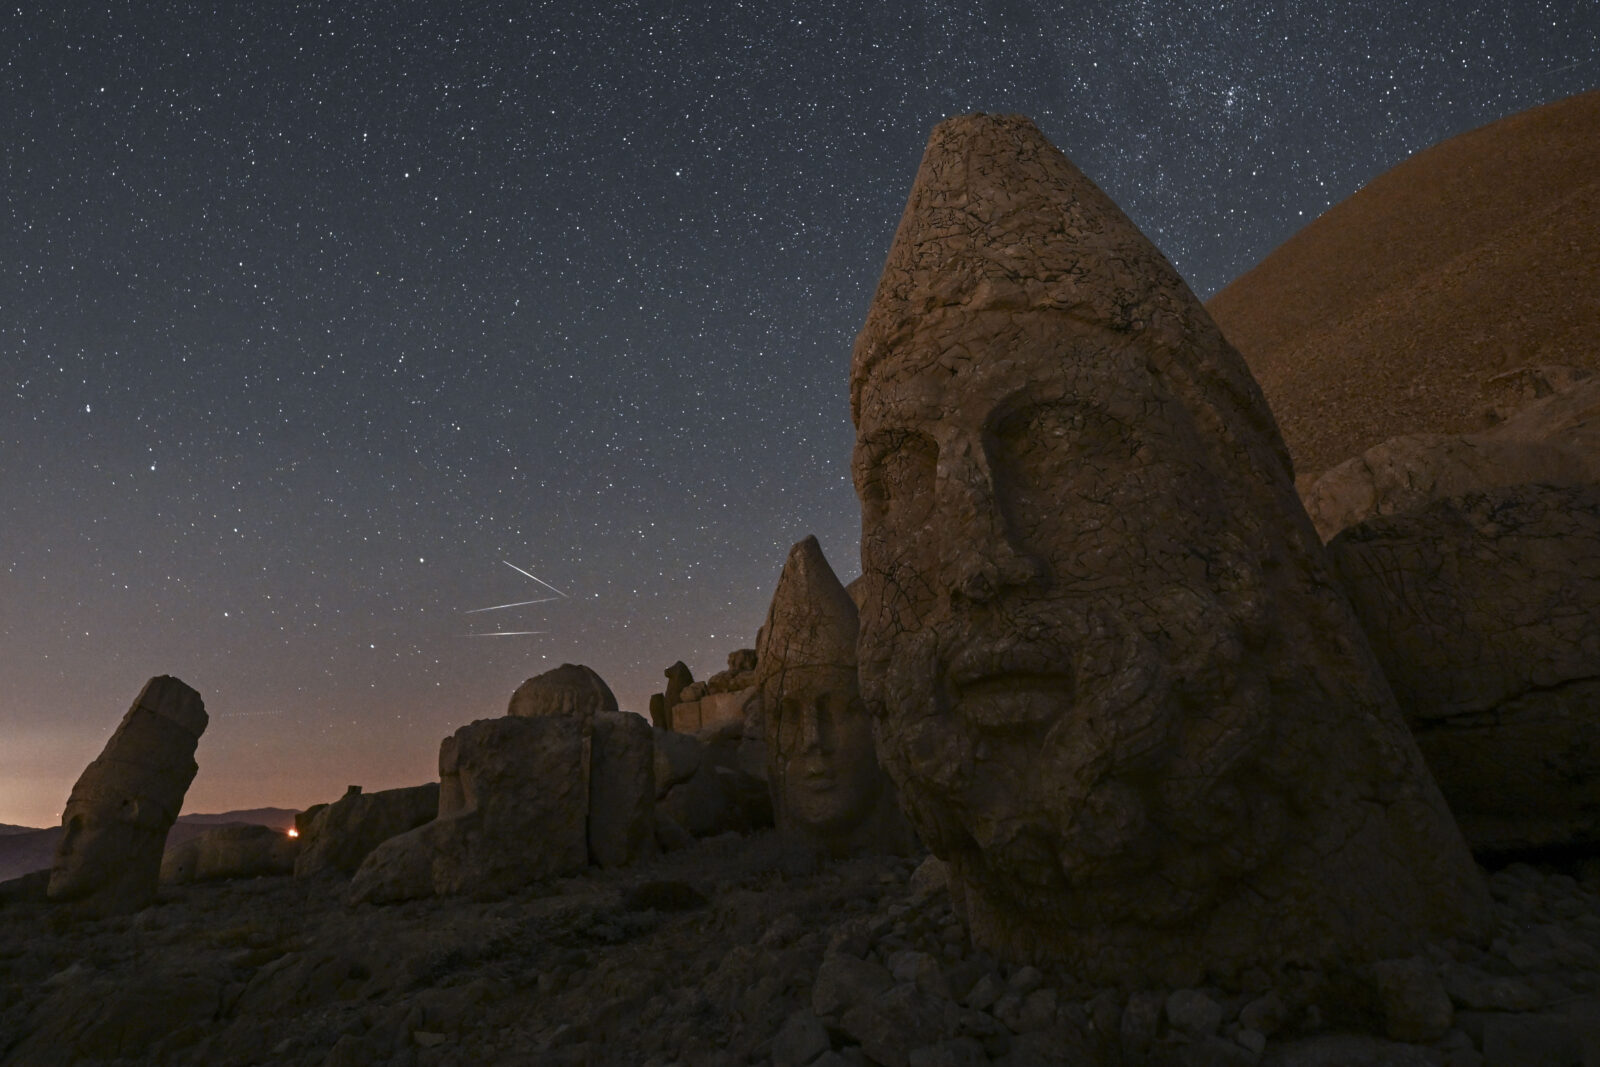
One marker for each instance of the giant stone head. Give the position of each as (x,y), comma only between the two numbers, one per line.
(1109,671)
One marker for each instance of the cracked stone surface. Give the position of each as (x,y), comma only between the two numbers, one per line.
(1111,673)
(1484,610)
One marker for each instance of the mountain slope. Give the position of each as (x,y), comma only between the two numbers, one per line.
(1390,312)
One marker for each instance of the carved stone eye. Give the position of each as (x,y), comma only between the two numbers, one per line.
(897,480)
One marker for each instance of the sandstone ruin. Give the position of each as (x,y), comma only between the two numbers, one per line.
(1114,679)
(116,820)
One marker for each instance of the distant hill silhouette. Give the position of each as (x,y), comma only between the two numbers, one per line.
(23,850)
(1388,313)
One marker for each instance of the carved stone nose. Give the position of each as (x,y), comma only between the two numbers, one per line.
(981,576)
(983,558)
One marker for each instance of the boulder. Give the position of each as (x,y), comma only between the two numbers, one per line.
(525,784)
(1110,670)
(822,766)
(115,824)
(1484,610)
(570,689)
(622,790)
(338,836)
(1407,473)
(676,757)
(246,851)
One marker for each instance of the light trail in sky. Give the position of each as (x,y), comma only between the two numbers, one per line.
(513,604)
(535,577)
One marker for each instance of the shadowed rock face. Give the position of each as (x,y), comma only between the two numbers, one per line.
(1111,675)
(116,820)
(1484,609)
(826,784)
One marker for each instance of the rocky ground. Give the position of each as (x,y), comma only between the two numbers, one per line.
(737,950)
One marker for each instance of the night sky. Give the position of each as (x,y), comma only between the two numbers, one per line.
(313,317)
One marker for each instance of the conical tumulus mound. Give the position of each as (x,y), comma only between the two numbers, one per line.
(1112,676)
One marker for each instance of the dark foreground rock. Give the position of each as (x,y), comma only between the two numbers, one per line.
(1484,610)
(739,950)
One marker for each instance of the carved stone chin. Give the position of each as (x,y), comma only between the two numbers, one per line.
(1112,679)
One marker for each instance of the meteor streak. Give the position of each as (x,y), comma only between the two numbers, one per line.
(535,577)
(508,633)
(513,604)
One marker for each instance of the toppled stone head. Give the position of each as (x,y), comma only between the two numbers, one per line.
(1112,678)
(115,824)
(822,766)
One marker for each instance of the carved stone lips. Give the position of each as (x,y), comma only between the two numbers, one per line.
(989,667)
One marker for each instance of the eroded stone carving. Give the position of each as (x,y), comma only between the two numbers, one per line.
(1113,679)
(822,765)
(116,820)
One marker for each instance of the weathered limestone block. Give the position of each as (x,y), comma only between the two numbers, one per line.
(1484,610)
(822,765)
(525,784)
(622,790)
(721,710)
(340,835)
(230,852)
(712,714)
(1407,473)
(570,690)
(1111,672)
(115,824)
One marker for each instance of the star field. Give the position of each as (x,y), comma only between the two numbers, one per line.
(312,316)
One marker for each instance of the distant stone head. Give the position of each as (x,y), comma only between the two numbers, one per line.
(822,764)
(115,823)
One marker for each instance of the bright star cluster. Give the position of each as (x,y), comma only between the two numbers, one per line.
(315,315)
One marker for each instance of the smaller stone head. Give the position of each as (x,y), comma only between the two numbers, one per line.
(822,760)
